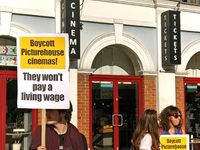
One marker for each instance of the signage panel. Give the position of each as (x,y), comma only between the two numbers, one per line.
(43,71)
(170,33)
(174,142)
(70,23)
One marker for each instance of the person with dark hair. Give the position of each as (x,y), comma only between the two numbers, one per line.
(171,121)
(60,133)
(146,134)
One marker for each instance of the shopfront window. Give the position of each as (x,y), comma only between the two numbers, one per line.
(193,108)
(115,113)
(18,121)
(102,110)
(192,96)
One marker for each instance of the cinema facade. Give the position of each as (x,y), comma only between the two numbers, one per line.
(125,61)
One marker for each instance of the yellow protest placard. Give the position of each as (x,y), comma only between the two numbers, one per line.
(174,142)
(42,53)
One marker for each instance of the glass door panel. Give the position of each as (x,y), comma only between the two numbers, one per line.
(102,111)
(192,93)
(18,121)
(116,105)
(128,109)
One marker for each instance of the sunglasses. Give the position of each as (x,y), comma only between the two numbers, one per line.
(176,116)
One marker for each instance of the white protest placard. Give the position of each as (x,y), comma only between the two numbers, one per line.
(43,71)
(174,142)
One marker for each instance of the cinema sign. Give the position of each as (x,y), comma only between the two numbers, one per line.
(171,47)
(70,23)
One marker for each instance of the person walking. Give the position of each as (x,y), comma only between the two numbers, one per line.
(146,134)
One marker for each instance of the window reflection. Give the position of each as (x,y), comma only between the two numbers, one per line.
(192,109)
(102,110)
(119,114)
(18,121)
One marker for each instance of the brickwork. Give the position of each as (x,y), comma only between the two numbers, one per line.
(83,105)
(149,92)
(180,102)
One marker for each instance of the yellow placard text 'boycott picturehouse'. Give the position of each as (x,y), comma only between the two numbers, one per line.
(171,143)
(42,53)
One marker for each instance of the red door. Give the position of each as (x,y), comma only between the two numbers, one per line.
(116,104)
(12,118)
(192,106)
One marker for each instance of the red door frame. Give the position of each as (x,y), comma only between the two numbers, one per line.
(114,78)
(191,80)
(3,78)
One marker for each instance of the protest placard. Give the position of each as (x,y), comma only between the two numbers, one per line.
(174,142)
(43,71)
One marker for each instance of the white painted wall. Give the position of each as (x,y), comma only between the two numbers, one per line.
(190,21)
(44,5)
(126,12)
(166,90)
(73,95)
(29,7)
(129,11)
(5,19)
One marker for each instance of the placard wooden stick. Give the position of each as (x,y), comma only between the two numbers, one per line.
(43,132)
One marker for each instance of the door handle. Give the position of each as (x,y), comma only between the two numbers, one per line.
(117,115)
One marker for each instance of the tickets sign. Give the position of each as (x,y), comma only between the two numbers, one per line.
(43,71)
(171,38)
(174,142)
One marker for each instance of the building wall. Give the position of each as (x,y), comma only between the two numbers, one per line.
(141,20)
(92,30)
(149,90)
(137,26)
(83,105)
(35,24)
(147,39)
(180,96)
(29,7)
